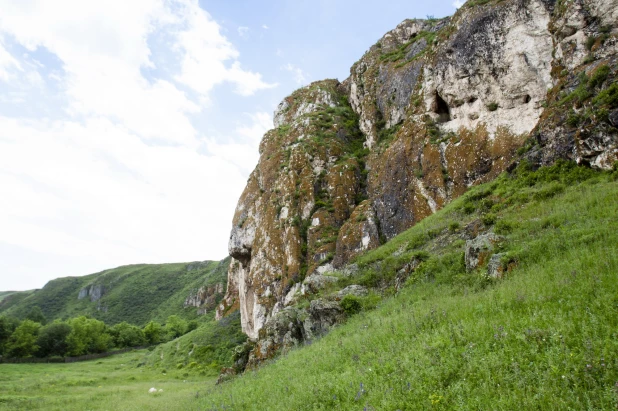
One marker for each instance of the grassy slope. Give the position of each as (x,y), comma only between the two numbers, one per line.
(204,350)
(543,338)
(134,293)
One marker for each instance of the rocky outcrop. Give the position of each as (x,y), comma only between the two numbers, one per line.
(94,291)
(480,249)
(205,298)
(433,108)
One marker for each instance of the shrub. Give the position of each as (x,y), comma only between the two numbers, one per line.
(492,106)
(489,219)
(351,304)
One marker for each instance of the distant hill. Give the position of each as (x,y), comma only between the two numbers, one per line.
(134,293)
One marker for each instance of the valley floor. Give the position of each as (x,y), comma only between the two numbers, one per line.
(114,383)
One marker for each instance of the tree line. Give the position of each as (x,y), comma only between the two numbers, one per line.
(34,337)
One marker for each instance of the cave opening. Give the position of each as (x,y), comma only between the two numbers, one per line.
(442,109)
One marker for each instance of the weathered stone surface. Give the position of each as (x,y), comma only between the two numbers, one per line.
(316,282)
(204,298)
(495,267)
(94,291)
(323,315)
(357,290)
(358,234)
(442,105)
(480,249)
(613,118)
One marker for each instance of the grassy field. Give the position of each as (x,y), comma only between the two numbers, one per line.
(114,383)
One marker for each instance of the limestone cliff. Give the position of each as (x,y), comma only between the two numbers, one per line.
(434,107)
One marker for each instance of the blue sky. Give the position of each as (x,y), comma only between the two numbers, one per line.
(128,129)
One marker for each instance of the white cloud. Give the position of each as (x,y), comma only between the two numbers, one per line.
(265,27)
(242,31)
(205,54)
(7,62)
(300,77)
(115,175)
(458,3)
(97,190)
(244,152)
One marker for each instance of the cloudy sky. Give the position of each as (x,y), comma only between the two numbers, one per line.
(128,128)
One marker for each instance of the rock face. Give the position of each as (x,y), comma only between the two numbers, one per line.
(434,107)
(204,298)
(95,292)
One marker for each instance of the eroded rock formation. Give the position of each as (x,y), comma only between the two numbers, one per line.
(434,107)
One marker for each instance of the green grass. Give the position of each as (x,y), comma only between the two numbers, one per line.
(135,293)
(114,383)
(205,350)
(542,338)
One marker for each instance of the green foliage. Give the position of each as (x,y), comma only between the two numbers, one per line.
(211,345)
(153,332)
(351,304)
(52,339)
(7,326)
(608,97)
(36,315)
(175,327)
(87,336)
(492,106)
(23,341)
(400,53)
(127,335)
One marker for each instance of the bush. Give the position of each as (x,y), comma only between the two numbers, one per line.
(351,304)
(52,339)
(489,219)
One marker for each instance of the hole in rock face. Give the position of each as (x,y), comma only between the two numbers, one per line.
(442,110)
(527,99)
(472,100)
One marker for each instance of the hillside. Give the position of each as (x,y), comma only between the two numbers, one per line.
(540,330)
(135,293)
(432,109)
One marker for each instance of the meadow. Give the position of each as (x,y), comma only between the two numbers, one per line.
(113,383)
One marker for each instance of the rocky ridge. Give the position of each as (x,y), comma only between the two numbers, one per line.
(433,108)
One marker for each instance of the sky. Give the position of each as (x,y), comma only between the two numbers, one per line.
(128,129)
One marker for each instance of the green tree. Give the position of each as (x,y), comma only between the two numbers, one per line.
(22,342)
(36,314)
(175,327)
(127,335)
(87,336)
(153,332)
(53,339)
(7,326)
(192,325)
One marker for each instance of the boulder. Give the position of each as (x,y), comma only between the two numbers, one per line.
(480,249)
(323,315)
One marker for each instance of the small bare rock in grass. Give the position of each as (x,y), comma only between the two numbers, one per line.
(480,249)
(357,290)
(152,390)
